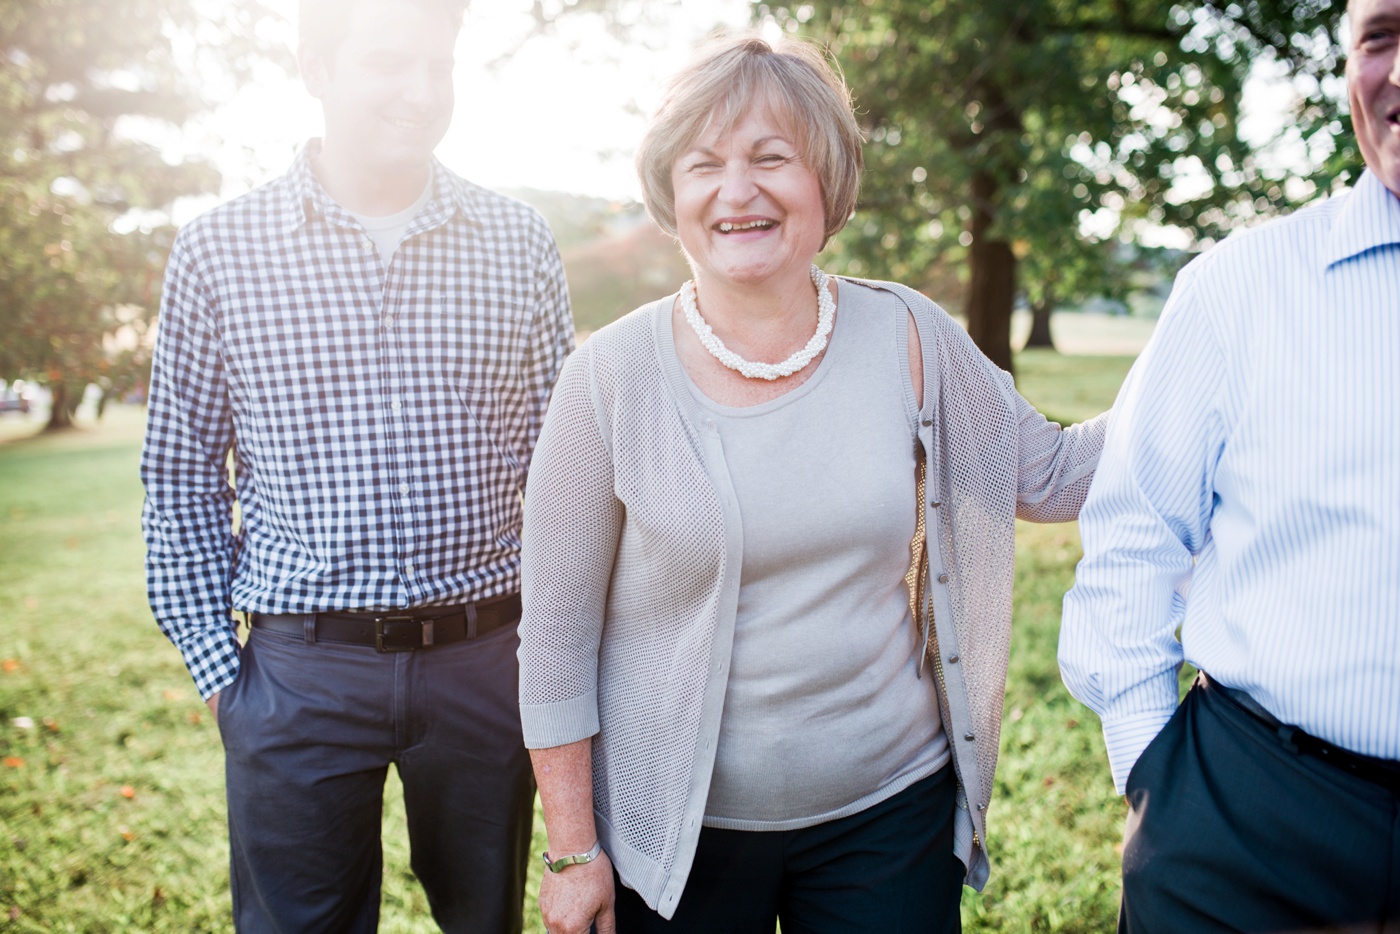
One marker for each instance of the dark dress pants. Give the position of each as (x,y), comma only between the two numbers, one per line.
(309,732)
(1230,830)
(889,869)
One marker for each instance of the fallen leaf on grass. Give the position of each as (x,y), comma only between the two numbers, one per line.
(1118,847)
(157,897)
(195,718)
(31,603)
(51,724)
(127,834)
(71,544)
(128,791)
(9,665)
(15,912)
(1049,781)
(14,762)
(171,694)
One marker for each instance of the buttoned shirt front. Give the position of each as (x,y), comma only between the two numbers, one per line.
(1248,490)
(382,418)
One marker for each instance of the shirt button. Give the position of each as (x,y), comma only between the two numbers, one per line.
(410,569)
(397,406)
(404,488)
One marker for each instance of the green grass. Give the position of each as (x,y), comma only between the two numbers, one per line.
(111,802)
(1068,388)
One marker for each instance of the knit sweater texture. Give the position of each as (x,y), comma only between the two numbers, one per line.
(632,548)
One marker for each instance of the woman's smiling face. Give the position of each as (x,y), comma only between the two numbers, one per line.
(748,207)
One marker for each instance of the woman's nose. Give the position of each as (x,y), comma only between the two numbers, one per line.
(737,187)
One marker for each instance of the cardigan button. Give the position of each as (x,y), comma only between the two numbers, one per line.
(928,422)
(969,737)
(935,503)
(953,659)
(943,578)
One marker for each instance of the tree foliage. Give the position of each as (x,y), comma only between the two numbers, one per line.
(79,82)
(997,128)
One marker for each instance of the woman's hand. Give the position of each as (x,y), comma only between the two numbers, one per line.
(579,896)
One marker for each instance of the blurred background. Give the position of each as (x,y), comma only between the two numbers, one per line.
(1038,157)
(1042,168)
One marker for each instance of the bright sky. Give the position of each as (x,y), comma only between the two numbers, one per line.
(563,113)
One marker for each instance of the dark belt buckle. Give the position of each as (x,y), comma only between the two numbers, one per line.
(397,634)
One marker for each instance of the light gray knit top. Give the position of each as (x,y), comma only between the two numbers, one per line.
(632,549)
(825,714)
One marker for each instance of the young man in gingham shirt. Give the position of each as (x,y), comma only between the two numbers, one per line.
(375,340)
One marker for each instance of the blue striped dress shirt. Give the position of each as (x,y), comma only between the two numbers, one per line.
(382,417)
(1249,491)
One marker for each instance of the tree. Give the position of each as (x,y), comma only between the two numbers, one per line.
(997,128)
(83,251)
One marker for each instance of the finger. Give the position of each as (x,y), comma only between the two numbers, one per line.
(606,922)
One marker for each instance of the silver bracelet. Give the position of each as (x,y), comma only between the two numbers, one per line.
(564,862)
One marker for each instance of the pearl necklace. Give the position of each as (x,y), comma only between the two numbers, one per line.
(826,314)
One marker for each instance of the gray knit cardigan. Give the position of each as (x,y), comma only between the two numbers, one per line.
(632,546)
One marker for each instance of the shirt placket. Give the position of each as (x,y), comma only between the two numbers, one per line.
(393,464)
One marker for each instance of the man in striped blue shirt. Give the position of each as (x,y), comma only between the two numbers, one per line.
(1249,497)
(375,340)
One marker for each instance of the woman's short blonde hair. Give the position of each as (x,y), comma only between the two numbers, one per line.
(717,90)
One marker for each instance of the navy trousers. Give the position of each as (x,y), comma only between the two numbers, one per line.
(309,732)
(1231,830)
(889,869)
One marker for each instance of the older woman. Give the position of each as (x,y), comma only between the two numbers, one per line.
(741,700)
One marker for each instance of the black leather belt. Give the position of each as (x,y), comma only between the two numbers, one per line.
(1383,772)
(396,630)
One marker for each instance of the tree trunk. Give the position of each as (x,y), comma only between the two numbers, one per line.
(1040,335)
(992,290)
(65,403)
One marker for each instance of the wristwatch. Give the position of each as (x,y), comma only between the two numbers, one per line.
(564,862)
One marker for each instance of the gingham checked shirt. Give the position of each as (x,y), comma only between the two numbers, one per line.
(381,419)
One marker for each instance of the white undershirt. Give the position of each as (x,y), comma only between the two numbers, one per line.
(387,231)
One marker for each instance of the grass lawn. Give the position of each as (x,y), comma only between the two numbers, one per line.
(111,801)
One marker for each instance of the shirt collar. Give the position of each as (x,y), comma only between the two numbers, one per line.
(451,195)
(1370,218)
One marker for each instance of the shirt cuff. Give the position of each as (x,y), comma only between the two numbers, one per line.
(213,660)
(1125,739)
